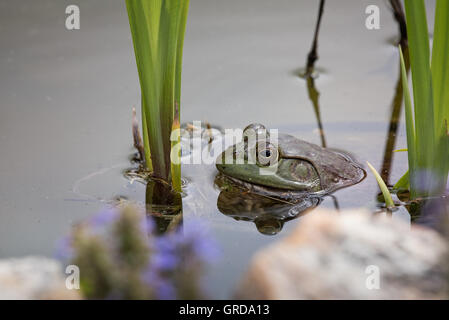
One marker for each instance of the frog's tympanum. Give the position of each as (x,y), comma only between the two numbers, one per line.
(263,178)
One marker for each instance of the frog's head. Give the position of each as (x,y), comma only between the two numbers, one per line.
(260,160)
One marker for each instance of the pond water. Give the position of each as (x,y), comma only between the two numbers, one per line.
(66,98)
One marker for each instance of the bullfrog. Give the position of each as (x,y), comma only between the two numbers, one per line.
(299,169)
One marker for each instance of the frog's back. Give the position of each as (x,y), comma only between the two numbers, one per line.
(334,169)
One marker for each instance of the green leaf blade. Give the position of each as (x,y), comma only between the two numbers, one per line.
(383,187)
(157,28)
(422,82)
(440,62)
(409,124)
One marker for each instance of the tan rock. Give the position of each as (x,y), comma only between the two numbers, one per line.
(336,255)
(33,278)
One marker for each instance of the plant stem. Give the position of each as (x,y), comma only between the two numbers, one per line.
(314,98)
(394,122)
(399,16)
(312,57)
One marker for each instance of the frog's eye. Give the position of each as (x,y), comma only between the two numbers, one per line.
(254,127)
(253,133)
(267,155)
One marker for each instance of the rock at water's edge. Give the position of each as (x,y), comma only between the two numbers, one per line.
(33,278)
(332,255)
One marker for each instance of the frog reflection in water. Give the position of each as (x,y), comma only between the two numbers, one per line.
(270,182)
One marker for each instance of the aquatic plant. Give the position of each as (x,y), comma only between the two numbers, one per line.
(312,56)
(399,16)
(120,257)
(383,187)
(426,118)
(157,28)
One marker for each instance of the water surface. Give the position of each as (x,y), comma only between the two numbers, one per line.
(66,98)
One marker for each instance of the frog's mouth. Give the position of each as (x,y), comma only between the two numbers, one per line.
(289,197)
(288,174)
(293,176)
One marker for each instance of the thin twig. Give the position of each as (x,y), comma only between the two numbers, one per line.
(312,57)
(399,16)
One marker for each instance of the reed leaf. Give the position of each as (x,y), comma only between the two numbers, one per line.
(440,80)
(440,62)
(422,83)
(403,183)
(410,127)
(383,187)
(428,150)
(157,28)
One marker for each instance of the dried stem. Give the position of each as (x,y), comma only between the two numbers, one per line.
(312,57)
(138,144)
(399,16)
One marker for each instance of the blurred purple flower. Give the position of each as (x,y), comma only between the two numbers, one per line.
(64,249)
(106,217)
(165,256)
(162,287)
(186,249)
(193,243)
(147,225)
(164,261)
(198,237)
(165,291)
